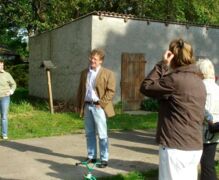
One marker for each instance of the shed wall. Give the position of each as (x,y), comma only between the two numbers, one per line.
(68,47)
(135,36)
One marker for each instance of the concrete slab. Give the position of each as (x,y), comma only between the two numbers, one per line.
(55,157)
(52,158)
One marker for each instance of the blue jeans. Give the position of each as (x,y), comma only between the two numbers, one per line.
(95,122)
(4,106)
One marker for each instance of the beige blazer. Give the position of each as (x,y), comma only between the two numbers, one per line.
(105,90)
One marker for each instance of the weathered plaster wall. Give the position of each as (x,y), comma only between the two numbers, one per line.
(136,36)
(68,47)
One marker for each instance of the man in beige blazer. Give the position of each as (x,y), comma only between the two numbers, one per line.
(95,94)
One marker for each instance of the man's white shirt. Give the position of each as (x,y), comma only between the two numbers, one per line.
(90,85)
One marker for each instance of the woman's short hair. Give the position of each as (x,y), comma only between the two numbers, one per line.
(206,68)
(183,53)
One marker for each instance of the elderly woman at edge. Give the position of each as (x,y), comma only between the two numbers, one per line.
(210,137)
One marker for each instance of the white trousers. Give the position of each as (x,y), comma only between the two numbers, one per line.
(178,164)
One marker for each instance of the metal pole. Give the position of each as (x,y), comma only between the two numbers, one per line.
(50,91)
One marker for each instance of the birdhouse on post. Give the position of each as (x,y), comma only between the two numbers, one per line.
(48,65)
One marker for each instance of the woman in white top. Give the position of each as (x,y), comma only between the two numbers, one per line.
(212,116)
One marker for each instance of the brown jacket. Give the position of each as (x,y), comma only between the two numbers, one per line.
(182,96)
(105,89)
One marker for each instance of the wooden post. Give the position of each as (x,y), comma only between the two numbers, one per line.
(47,65)
(50,91)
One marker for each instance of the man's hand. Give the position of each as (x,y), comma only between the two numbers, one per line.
(8,93)
(214,128)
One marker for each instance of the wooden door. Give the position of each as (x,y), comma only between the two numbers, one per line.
(132,75)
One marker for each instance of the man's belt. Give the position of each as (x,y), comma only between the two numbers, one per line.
(92,102)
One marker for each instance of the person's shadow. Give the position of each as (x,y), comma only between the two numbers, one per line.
(24,147)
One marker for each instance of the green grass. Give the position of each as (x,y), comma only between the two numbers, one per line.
(134,175)
(130,122)
(30,117)
(37,123)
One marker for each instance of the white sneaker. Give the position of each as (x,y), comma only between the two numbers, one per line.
(5,137)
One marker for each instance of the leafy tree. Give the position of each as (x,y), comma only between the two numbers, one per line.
(40,15)
(35,16)
(195,11)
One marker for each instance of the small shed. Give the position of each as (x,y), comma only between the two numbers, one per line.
(132,45)
(8,55)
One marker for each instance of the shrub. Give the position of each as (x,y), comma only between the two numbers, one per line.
(150,105)
(20,74)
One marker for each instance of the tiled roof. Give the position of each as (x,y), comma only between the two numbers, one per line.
(113,14)
(126,17)
(101,14)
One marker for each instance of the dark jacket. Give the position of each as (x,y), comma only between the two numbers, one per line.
(181,94)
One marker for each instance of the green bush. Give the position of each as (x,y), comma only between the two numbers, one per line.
(20,74)
(22,99)
(150,105)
